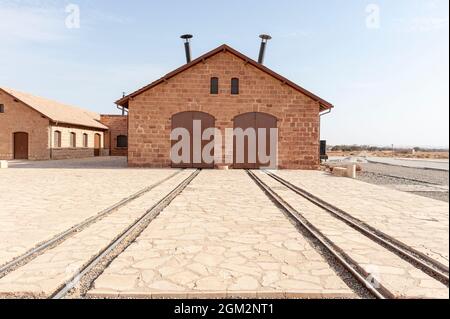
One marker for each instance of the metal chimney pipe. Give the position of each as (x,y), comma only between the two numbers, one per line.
(187,46)
(265,38)
(123,109)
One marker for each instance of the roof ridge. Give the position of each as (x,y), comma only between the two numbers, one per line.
(124,100)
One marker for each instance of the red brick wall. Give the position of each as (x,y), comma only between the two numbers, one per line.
(20,118)
(118,125)
(150,112)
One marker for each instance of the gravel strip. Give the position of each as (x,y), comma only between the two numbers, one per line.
(390,176)
(417,174)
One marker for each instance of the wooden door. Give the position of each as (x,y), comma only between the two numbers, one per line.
(186,120)
(267,122)
(20,145)
(252,150)
(97,144)
(242,157)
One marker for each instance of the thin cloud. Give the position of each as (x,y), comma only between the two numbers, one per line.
(98,16)
(295,34)
(423,24)
(25,24)
(363,85)
(45,21)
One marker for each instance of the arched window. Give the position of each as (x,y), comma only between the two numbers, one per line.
(214,85)
(85,140)
(57,139)
(73,140)
(235,86)
(122,141)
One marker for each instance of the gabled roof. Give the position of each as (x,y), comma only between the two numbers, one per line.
(56,111)
(225,48)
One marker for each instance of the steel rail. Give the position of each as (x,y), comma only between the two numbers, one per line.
(375,288)
(27,257)
(429,265)
(148,216)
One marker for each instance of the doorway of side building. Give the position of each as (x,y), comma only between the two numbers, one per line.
(244,157)
(97,144)
(186,120)
(21,146)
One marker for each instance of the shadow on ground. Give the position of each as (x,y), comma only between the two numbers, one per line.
(87,163)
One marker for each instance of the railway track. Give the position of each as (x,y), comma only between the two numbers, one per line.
(58,239)
(92,269)
(429,266)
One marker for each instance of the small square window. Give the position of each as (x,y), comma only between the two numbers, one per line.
(2,108)
(122,141)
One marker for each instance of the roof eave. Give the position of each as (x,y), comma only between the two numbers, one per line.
(104,128)
(223,48)
(49,118)
(34,109)
(327,107)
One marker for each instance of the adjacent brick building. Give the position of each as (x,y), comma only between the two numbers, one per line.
(224,88)
(116,139)
(36,128)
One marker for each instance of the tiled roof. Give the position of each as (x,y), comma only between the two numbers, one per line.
(58,112)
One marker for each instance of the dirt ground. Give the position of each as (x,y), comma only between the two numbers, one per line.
(417,155)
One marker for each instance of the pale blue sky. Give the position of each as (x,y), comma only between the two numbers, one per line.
(389,84)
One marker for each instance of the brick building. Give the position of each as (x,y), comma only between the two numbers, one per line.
(116,138)
(224,89)
(36,128)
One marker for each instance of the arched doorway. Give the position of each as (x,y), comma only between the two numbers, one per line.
(248,148)
(97,144)
(194,158)
(20,145)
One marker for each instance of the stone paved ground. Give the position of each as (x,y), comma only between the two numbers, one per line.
(419,222)
(401,278)
(37,204)
(51,270)
(221,237)
(86,163)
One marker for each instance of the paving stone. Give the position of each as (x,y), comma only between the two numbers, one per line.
(389,269)
(243,255)
(210,284)
(46,273)
(420,222)
(270,277)
(245,283)
(116,282)
(163,285)
(208,259)
(37,204)
(297,285)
